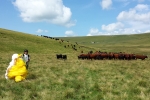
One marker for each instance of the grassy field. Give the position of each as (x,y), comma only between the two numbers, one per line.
(139,43)
(73,79)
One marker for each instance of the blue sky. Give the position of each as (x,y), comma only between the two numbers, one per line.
(59,18)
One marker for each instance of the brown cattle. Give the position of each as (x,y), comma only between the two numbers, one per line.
(116,55)
(142,57)
(127,56)
(121,56)
(110,55)
(93,56)
(104,56)
(132,56)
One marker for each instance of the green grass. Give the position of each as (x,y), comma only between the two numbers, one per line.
(139,43)
(73,79)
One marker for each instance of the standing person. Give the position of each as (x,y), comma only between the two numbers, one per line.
(26,58)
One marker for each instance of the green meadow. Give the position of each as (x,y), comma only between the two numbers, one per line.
(72,79)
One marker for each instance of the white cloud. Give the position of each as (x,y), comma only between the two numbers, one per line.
(121,31)
(112,26)
(52,11)
(134,21)
(69,33)
(140,13)
(141,7)
(41,31)
(95,31)
(106,4)
(126,31)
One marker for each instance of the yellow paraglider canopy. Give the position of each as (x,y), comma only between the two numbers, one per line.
(17,69)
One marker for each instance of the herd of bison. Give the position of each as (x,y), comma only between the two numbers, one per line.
(104,55)
(98,55)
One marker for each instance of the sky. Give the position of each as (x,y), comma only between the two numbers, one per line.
(63,18)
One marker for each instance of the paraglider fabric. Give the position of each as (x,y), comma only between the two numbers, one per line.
(16,69)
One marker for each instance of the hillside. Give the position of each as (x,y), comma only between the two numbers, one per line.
(137,43)
(17,41)
(49,78)
(133,39)
(12,41)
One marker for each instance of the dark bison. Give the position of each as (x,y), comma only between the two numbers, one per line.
(56,39)
(59,56)
(44,36)
(64,57)
(142,57)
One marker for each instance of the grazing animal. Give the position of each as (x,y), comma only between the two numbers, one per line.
(116,55)
(92,56)
(56,39)
(132,56)
(110,55)
(44,36)
(104,55)
(64,57)
(127,56)
(121,56)
(75,49)
(142,57)
(59,56)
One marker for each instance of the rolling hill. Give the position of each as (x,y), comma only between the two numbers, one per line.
(137,43)
(12,41)
(16,41)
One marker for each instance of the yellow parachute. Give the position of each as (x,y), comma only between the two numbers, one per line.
(16,69)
